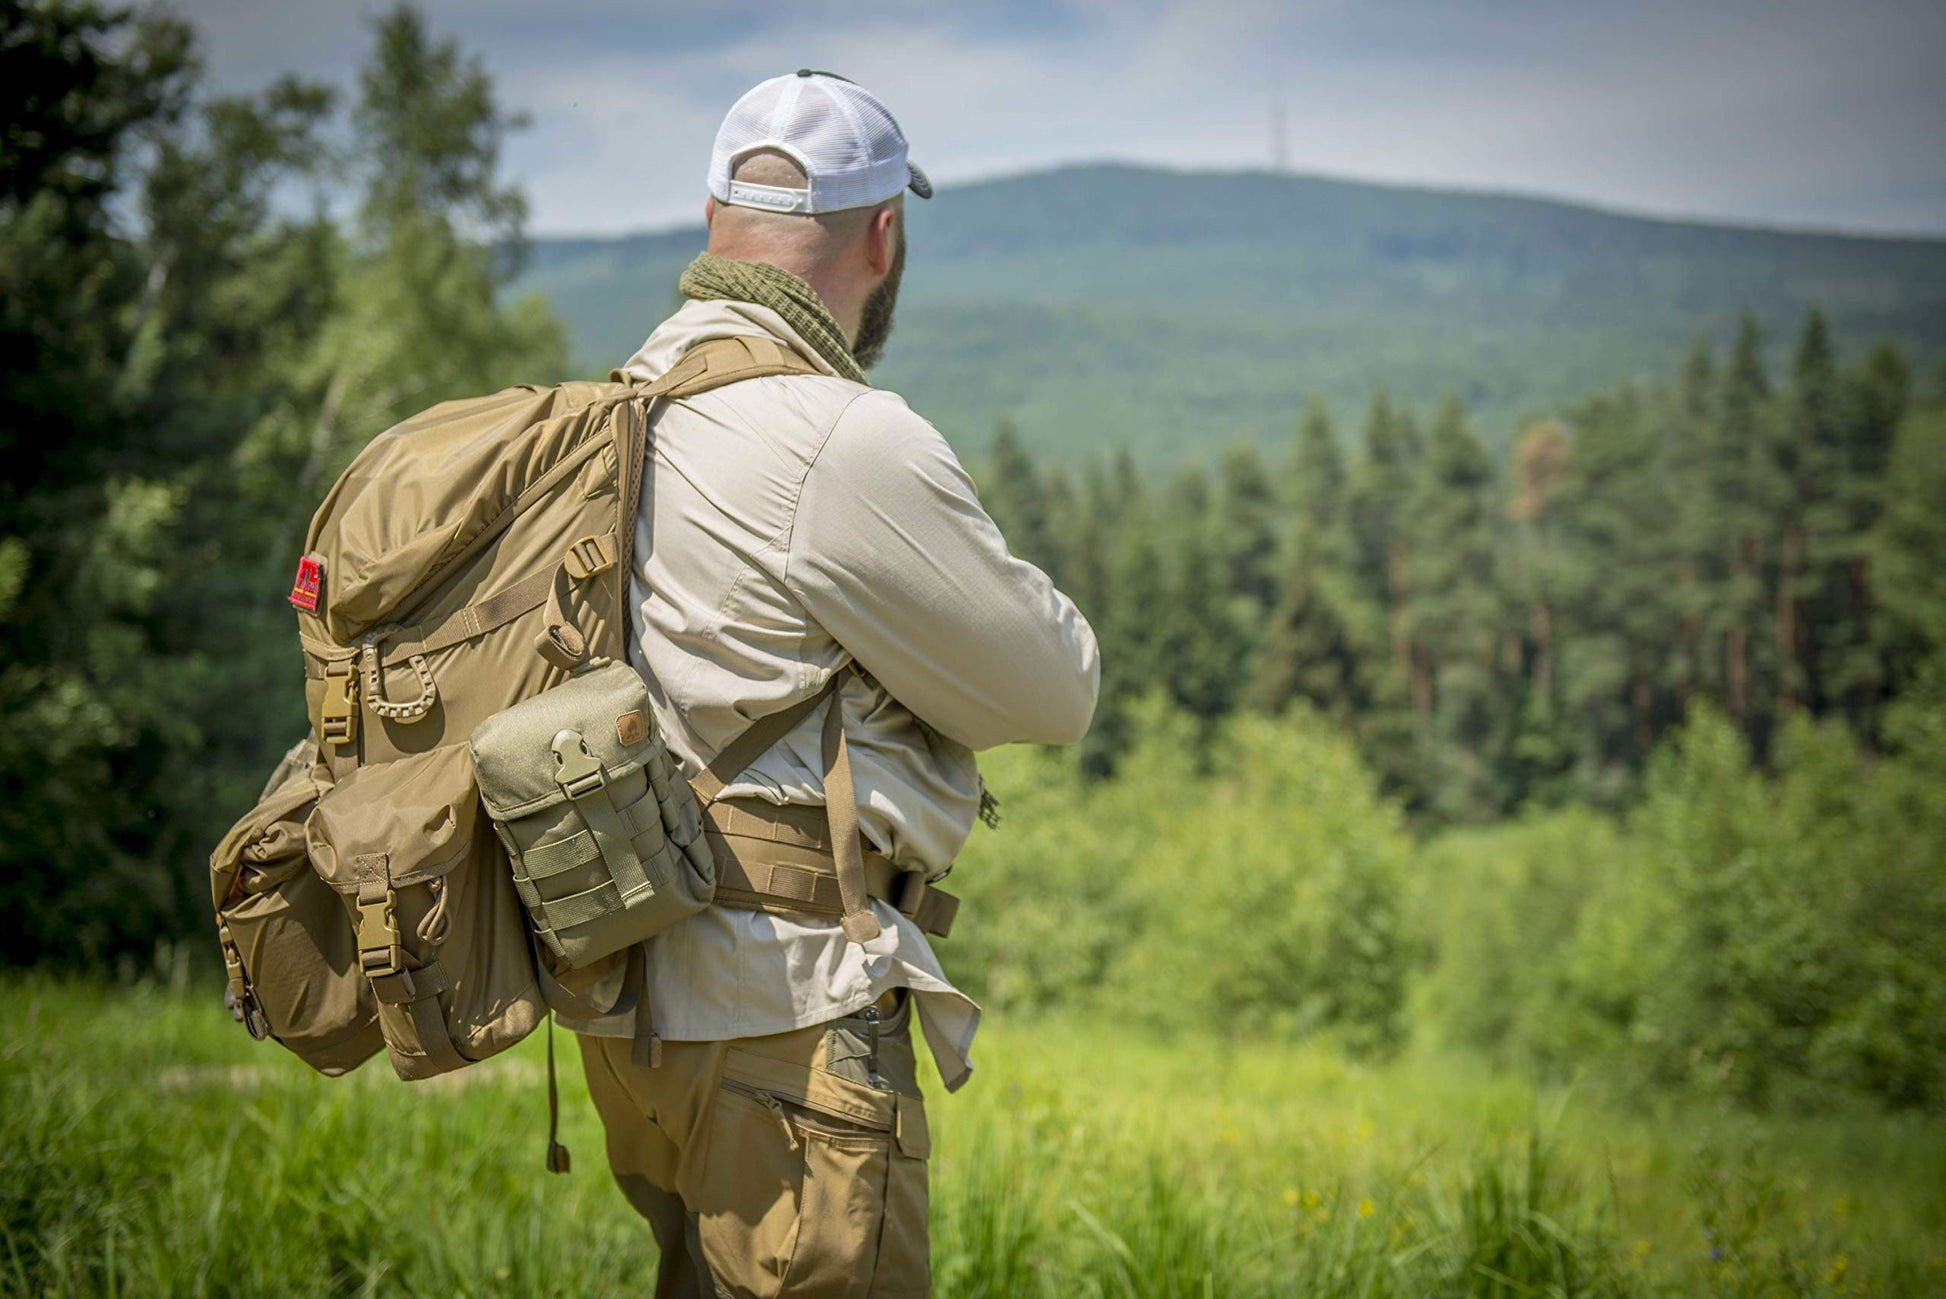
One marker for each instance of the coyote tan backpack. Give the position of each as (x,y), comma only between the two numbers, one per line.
(468,560)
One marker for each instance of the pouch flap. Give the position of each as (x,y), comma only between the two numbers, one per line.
(270,835)
(420,813)
(514,752)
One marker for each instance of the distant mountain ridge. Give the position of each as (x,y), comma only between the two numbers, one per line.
(1170,312)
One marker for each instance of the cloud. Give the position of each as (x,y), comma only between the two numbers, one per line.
(1774,111)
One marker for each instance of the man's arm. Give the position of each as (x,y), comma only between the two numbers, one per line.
(892,553)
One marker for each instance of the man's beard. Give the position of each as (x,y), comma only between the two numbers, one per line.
(875,322)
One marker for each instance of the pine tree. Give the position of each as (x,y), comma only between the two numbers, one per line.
(1541,747)
(1014,495)
(1453,610)
(1873,398)
(1740,483)
(1807,463)
(1698,668)
(1246,533)
(1617,585)
(1312,650)
(1134,591)
(1315,479)
(1378,494)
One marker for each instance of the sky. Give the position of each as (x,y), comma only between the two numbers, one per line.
(1785,113)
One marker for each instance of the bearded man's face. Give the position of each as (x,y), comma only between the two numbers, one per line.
(875,323)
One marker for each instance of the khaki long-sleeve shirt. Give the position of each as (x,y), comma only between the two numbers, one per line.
(788,525)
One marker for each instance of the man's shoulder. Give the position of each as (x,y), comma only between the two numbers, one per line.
(837,417)
(876,422)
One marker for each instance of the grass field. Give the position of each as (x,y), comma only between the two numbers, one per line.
(148,1148)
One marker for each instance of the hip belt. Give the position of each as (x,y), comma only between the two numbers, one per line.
(780,860)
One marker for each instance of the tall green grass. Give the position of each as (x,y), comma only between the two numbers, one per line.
(148,1148)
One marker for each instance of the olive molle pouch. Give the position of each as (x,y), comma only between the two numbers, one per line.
(603,833)
(288,947)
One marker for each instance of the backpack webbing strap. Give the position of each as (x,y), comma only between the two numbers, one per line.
(756,740)
(840,796)
(558,1160)
(719,361)
(841,808)
(381,959)
(476,619)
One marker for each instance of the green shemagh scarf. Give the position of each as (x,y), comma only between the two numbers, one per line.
(710,277)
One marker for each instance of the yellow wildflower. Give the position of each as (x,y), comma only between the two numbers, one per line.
(1290,1197)
(1366,1208)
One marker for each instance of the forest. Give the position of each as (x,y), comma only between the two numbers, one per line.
(1442,772)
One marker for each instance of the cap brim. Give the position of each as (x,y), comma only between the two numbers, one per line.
(919,184)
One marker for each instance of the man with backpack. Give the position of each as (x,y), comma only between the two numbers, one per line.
(805,539)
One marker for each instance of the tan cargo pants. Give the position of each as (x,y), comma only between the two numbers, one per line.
(791,1165)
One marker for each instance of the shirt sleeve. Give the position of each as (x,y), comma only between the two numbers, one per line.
(892,553)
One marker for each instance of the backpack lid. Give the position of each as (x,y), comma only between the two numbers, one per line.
(424,491)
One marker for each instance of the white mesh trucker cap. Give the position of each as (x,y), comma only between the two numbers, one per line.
(838,131)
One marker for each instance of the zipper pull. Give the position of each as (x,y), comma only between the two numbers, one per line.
(770,1103)
(871,1059)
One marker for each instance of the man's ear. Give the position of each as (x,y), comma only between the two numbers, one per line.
(709,210)
(880,240)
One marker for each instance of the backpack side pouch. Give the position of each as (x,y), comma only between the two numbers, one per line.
(440,934)
(603,833)
(290,952)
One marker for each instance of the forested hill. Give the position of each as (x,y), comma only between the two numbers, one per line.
(1111,305)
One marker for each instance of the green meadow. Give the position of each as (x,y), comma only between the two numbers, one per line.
(147,1147)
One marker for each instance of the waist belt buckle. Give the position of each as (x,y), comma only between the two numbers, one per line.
(908,891)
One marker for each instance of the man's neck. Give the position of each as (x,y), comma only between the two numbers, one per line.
(846,308)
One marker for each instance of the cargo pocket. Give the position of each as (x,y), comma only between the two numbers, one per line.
(904,1264)
(799,1197)
(439,932)
(288,947)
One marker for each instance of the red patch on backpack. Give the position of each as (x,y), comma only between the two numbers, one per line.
(307,584)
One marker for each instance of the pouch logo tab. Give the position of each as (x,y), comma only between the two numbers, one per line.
(630,728)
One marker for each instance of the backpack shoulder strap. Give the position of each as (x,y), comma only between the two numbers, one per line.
(715,363)
(712,365)
(719,361)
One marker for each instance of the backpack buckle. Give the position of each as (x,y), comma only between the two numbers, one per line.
(338,714)
(379,950)
(577,771)
(908,893)
(587,557)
